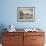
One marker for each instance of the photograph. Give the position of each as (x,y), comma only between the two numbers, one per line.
(25,14)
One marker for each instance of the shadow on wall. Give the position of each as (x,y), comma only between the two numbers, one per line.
(2,26)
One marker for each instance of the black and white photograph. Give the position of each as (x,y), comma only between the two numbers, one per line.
(26,14)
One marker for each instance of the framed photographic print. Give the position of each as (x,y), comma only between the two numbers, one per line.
(25,14)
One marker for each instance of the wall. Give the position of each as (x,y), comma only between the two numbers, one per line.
(9,13)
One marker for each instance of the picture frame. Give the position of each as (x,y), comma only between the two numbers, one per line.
(26,14)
